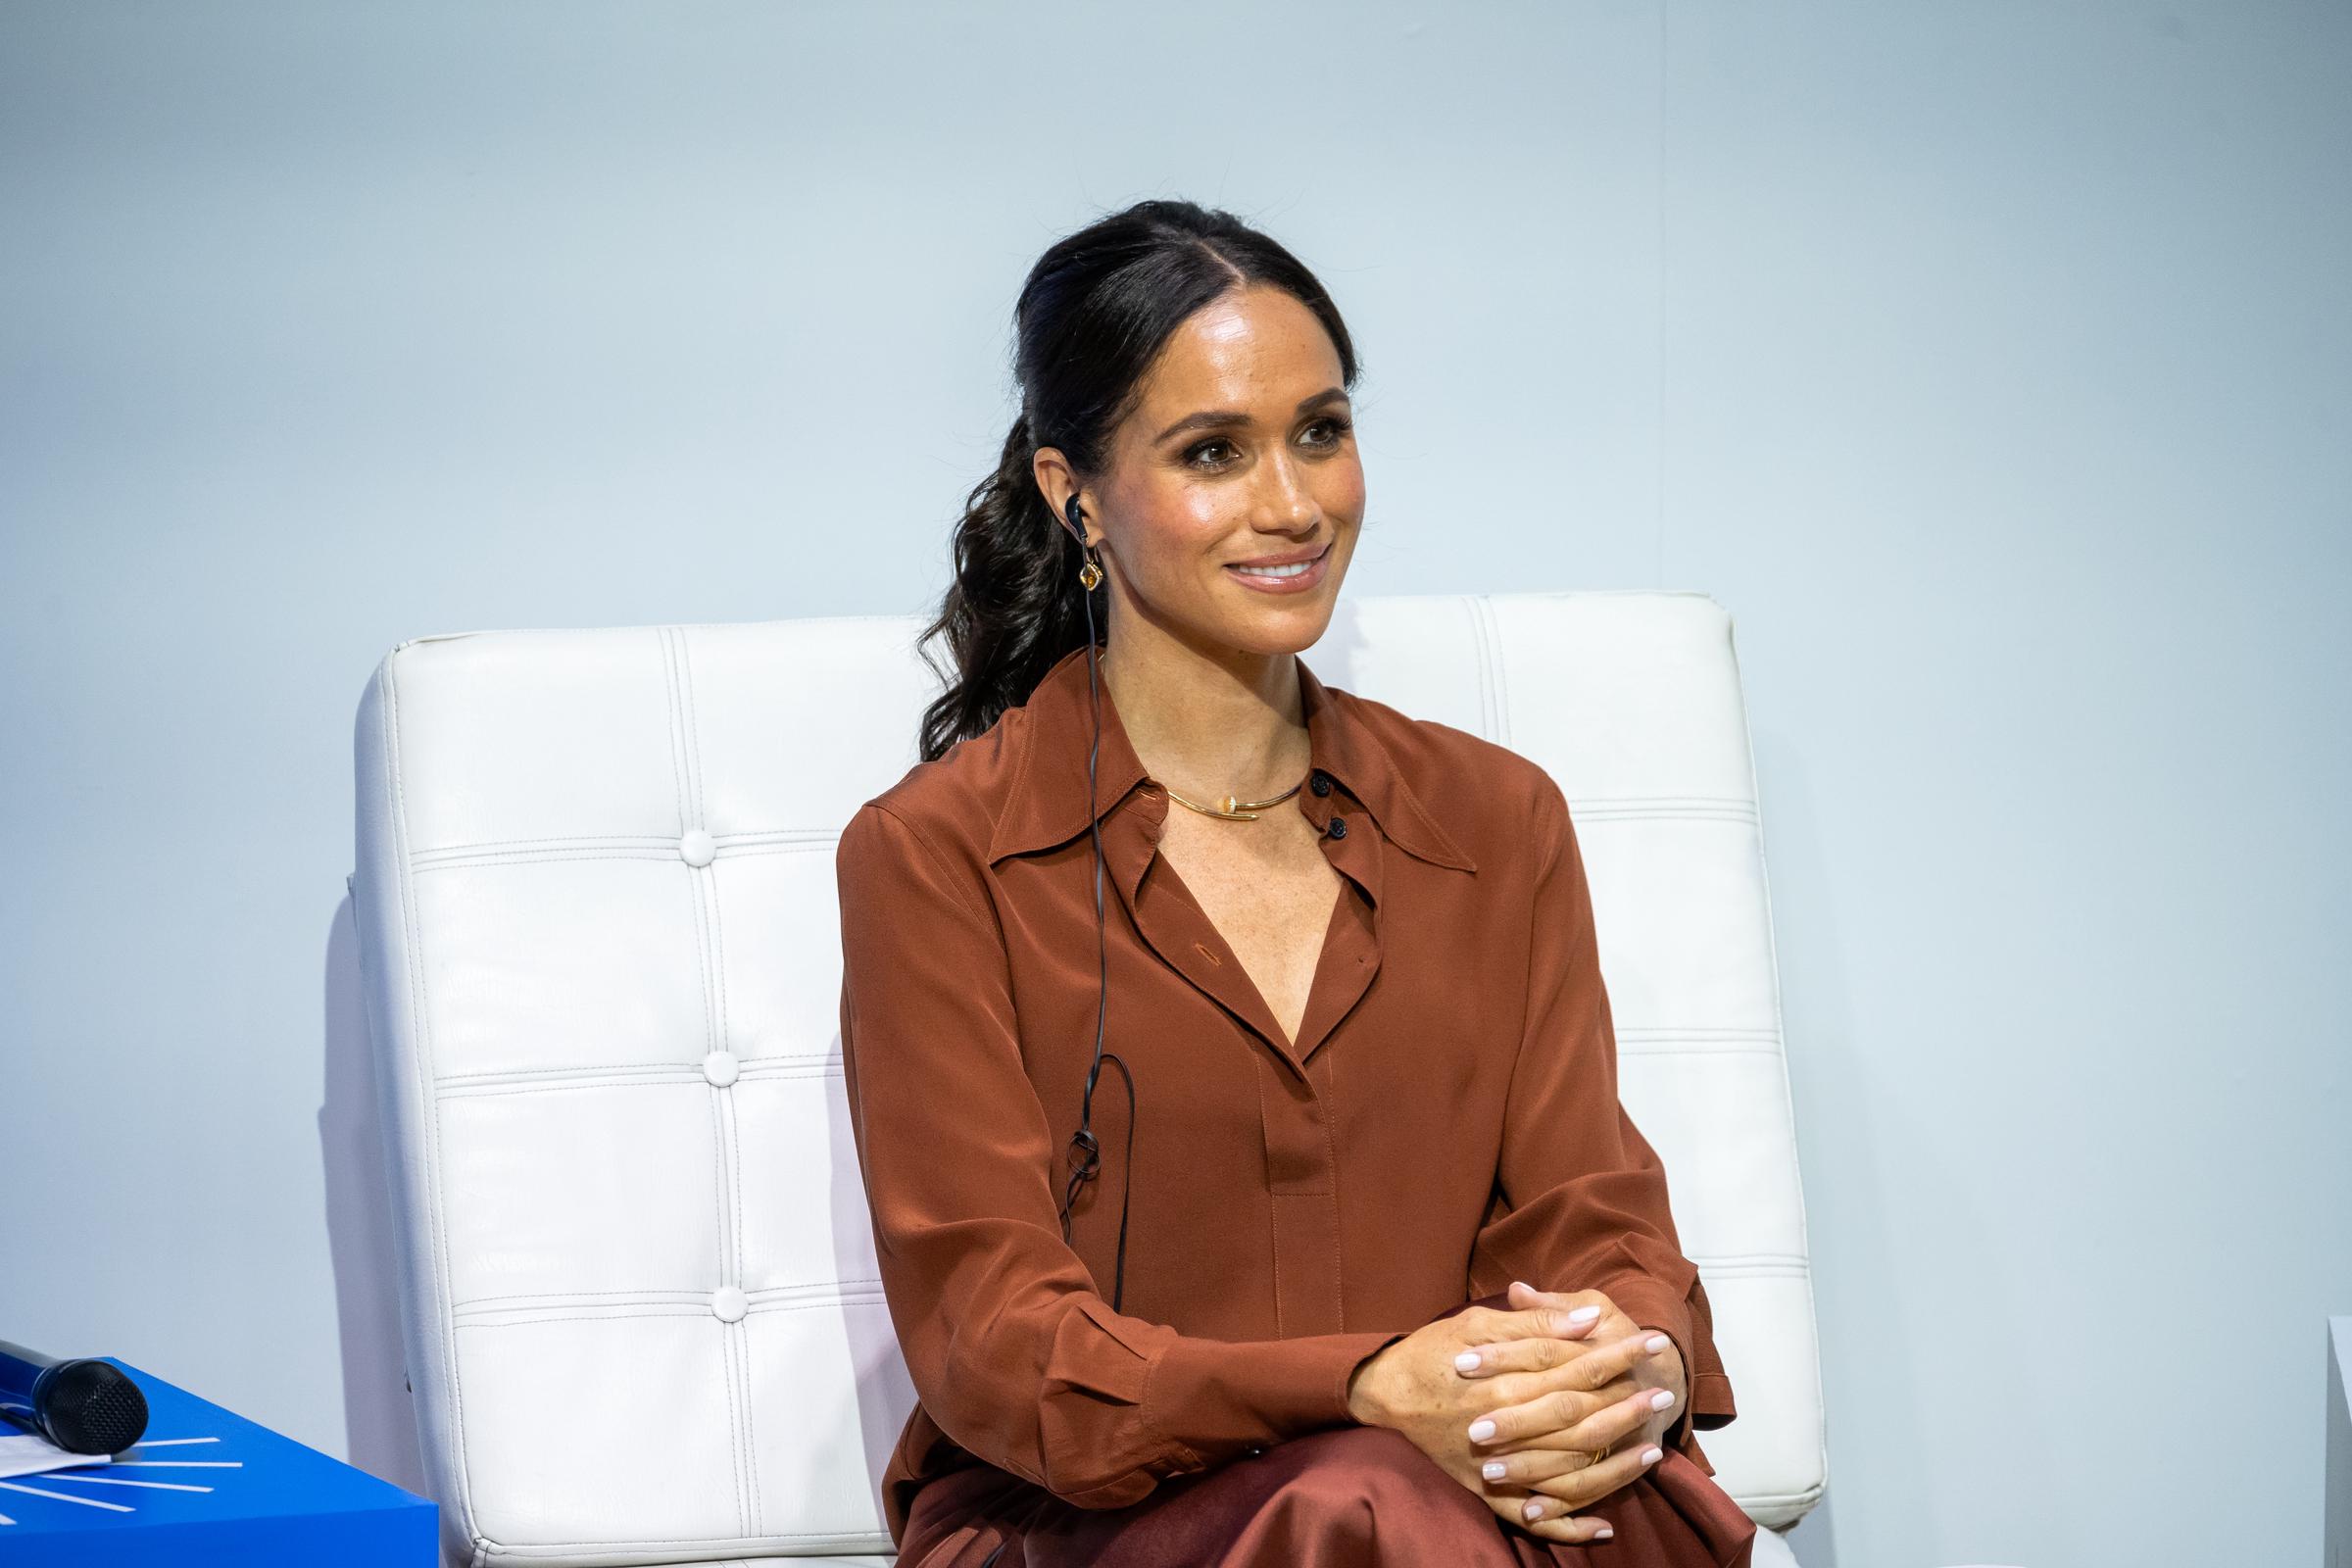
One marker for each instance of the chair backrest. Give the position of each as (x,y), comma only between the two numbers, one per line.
(601,950)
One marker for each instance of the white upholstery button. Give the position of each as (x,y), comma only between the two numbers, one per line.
(728,1303)
(697,847)
(719,1067)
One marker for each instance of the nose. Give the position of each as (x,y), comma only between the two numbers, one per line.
(1285,504)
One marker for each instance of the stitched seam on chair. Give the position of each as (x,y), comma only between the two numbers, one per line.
(695,1306)
(738,1337)
(461,1086)
(692,719)
(1493,679)
(718,1199)
(687,750)
(719,952)
(677,739)
(697,1301)
(683,1310)
(1669,1031)
(550,1549)
(486,1308)
(454,1396)
(547,856)
(736,1331)
(650,839)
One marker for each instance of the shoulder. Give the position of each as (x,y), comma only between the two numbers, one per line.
(948,805)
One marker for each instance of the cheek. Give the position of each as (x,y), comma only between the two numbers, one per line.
(1174,528)
(1340,489)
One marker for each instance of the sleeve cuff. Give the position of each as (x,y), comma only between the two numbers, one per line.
(1212,1399)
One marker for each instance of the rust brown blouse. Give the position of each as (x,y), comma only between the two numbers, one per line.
(1447,1122)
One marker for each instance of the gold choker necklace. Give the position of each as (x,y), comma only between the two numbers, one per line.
(1233,810)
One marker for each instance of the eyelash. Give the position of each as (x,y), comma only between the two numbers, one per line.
(1339,428)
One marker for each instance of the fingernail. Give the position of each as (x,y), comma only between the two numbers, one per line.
(1467,1361)
(1583,1315)
(1603,1532)
(1480,1430)
(1661,1400)
(1532,1510)
(1492,1469)
(1652,1456)
(1657,1343)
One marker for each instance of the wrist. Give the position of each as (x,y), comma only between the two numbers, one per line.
(1363,1407)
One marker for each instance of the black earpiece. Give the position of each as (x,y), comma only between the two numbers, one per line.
(1086,1150)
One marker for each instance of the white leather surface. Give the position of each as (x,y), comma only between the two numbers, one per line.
(596,906)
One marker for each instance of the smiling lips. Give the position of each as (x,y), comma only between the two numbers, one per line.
(1296,578)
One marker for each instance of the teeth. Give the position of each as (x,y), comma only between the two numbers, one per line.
(1292,571)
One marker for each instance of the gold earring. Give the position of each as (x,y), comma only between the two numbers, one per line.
(1089,575)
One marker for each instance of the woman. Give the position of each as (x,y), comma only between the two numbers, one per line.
(1343,962)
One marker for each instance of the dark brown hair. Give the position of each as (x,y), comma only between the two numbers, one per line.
(1091,318)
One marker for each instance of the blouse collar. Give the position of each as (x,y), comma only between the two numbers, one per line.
(1048,803)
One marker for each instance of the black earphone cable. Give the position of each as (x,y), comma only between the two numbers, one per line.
(1085,1159)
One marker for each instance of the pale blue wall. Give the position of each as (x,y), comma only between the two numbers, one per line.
(1991,363)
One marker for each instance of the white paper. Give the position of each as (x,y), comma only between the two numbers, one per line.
(28,1455)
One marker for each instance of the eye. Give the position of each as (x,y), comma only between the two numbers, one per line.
(1191,456)
(1337,426)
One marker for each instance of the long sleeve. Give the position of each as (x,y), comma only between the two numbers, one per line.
(1013,1353)
(1582,1201)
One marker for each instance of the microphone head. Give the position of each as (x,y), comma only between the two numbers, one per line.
(89,1406)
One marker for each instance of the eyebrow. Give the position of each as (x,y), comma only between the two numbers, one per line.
(1218,418)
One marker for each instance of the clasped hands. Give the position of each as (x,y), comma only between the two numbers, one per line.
(1562,1376)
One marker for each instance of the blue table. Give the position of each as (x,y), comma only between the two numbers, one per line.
(206,1487)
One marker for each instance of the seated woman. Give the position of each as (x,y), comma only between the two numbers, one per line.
(1406,1286)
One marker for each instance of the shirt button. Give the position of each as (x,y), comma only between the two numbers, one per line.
(1337,828)
(1322,782)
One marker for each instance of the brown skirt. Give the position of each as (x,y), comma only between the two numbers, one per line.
(1345,1497)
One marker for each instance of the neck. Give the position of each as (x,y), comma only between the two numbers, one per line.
(1210,726)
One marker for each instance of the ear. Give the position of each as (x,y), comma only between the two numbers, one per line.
(1059,486)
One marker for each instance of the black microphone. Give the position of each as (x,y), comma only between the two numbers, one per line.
(82,1404)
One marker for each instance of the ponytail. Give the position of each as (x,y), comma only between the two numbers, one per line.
(1014,607)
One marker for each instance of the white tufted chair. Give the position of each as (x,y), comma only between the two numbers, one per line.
(595,894)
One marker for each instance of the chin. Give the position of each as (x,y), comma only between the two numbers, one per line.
(1292,633)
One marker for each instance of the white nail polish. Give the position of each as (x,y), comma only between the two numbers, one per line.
(1661,1400)
(1467,1361)
(1492,1469)
(1583,1315)
(1480,1430)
